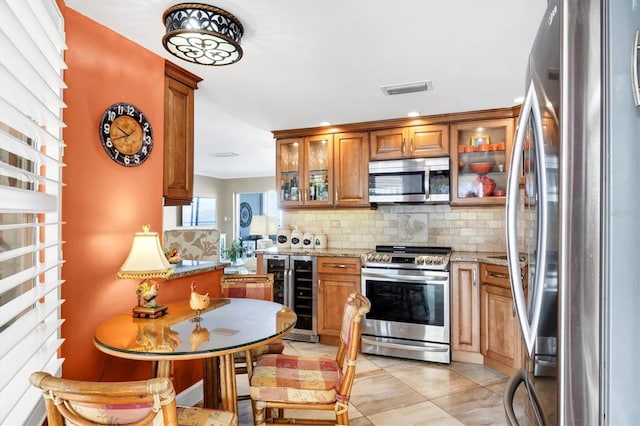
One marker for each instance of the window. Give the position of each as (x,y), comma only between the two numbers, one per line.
(201,212)
(30,185)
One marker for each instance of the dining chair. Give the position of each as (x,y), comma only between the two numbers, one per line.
(250,286)
(295,382)
(143,402)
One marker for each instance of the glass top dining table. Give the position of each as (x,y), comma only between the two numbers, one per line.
(225,327)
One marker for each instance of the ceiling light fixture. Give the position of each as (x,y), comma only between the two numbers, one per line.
(202,34)
(224,154)
(413,114)
(401,89)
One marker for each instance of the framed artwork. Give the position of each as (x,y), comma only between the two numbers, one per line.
(477,140)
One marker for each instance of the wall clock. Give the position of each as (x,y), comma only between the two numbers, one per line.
(126,134)
(245,215)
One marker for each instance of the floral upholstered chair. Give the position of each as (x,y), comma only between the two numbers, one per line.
(309,382)
(250,286)
(193,243)
(144,402)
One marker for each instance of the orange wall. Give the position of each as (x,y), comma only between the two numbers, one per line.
(103,203)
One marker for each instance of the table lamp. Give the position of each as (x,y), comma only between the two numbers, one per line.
(263,226)
(146,260)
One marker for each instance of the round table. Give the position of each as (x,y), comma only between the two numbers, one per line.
(225,327)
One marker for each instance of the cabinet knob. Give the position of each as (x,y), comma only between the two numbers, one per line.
(403,144)
(411,146)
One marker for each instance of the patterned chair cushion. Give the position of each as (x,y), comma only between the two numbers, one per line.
(194,243)
(194,416)
(130,413)
(290,378)
(269,348)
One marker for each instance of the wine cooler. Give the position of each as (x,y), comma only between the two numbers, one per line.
(295,285)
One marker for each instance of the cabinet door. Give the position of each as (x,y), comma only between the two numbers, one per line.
(428,141)
(480,153)
(501,340)
(333,290)
(178,136)
(317,184)
(388,144)
(337,278)
(465,307)
(351,169)
(289,163)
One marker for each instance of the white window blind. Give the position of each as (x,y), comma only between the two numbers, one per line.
(31,84)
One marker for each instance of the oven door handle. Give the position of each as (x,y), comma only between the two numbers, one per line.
(420,278)
(426,348)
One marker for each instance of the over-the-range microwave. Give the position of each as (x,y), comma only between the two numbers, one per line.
(416,180)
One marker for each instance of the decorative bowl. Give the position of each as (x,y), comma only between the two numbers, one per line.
(482,167)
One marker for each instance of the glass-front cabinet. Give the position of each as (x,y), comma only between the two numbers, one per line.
(480,155)
(305,170)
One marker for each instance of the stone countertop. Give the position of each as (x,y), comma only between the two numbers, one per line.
(494,258)
(333,252)
(185,268)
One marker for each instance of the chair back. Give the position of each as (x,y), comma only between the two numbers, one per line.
(114,403)
(355,307)
(248,286)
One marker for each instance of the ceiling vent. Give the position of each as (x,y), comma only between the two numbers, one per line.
(401,89)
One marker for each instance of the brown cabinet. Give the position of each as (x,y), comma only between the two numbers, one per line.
(323,170)
(465,312)
(409,142)
(337,278)
(350,167)
(480,156)
(178,135)
(501,341)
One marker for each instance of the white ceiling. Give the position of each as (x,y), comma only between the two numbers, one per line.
(311,61)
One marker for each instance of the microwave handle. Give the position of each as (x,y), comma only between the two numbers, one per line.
(427,186)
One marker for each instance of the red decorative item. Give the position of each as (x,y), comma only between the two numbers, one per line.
(488,185)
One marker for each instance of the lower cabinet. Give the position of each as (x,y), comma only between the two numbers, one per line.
(501,341)
(337,278)
(465,312)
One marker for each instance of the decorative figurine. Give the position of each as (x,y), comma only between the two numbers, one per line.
(198,302)
(147,292)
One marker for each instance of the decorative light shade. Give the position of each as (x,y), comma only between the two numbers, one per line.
(202,34)
(146,258)
(258,226)
(263,226)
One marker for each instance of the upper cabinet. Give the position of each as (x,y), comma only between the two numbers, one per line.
(350,166)
(323,170)
(480,155)
(410,142)
(178,135)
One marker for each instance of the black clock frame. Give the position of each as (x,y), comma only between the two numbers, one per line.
(110,115)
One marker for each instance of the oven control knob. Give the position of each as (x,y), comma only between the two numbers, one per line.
(377,257)
(386,258)
(370,257)
(419,260)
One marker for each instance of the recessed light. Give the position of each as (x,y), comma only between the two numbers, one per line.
(413,114)
(518,100)
(325,123)
(224,154)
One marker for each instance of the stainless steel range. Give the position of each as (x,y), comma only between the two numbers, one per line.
(408,287)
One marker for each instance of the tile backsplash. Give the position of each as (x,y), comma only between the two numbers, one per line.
(461,228)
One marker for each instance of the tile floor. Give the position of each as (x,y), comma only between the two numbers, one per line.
(392,392)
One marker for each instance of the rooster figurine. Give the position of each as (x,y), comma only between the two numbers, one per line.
(198,302)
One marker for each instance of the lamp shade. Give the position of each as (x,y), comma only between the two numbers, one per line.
(146,258)
(258,225)
(202,34)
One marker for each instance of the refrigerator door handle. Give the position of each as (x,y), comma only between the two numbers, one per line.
(528,321)
(509,394)
(634,69)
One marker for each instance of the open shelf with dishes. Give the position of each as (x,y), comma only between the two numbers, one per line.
(480,155)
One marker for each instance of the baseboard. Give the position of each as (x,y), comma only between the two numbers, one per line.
(191,396)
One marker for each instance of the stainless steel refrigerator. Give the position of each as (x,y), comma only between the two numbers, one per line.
(573,208)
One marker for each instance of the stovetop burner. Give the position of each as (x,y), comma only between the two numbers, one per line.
(408,257)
